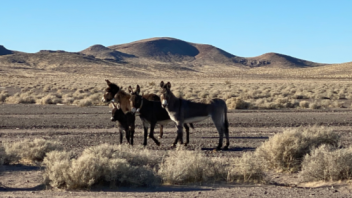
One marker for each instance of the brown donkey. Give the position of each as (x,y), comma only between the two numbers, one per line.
(123,99)
(184,111)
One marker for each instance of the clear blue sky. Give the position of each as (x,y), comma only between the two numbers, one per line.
(315,30)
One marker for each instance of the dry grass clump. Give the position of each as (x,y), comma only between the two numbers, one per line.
(50,99)
(285,151)
(32,150)
(304,104)
(247,168)
(24,98)
(3,96)
(327,163)
(183,167)
(236,103)
(101,164)
(3,157)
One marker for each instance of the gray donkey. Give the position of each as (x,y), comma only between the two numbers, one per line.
(184,111)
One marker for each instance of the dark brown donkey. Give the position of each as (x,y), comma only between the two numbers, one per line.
(123,99)
(151,113)
(184,111)
(125,122)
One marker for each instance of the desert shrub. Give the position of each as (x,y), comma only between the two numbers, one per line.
(24,98)
(327,163)
(246,169)
(83,103)
(285,151)
(3,156)
(50,99)
(32,150)
(47,88)
(237,103)
(3,96)
(101,164)
(183,167)
(304,104)
(314,105)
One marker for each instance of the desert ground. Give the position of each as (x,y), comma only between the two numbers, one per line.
(81,127)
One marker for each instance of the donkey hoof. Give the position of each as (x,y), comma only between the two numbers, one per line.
(225,148)
(160,137)
(173,145)
(186,144)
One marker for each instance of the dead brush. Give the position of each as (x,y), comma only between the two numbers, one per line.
(23,98)
(328,164)
(29,150)
(184,167)
(246,169)
(285,151)
(104,164)
(237,103)
(50,99)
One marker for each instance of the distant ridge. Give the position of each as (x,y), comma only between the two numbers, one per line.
(152,57)
(4,51)
(102,52)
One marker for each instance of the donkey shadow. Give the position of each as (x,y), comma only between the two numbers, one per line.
(232,149)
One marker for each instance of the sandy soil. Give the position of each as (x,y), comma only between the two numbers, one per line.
(79,128)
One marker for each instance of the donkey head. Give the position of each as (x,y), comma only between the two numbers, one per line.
(117,113)
(165,93)
(110,92)
(136,99)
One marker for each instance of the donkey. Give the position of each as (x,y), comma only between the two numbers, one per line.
(184,111)
(125,122)
(123,99)
(151,113)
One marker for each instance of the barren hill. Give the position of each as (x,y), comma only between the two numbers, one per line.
(161,56)
(102,52)
(174,50)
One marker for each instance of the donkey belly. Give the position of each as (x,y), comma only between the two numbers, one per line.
(163,122)
(196,119)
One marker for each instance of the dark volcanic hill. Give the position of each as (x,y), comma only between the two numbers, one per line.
(4,51)
(174,50)
(102,52)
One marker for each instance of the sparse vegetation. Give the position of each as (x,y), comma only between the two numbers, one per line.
(328,164)
(247,168)
(285,151)
(104,164)
(29,150)
(183,167)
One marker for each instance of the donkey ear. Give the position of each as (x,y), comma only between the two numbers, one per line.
(162,84)
(130,89)
(107,81)
(168,85)
(138,89)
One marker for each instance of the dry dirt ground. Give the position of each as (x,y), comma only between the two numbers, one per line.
(81,127)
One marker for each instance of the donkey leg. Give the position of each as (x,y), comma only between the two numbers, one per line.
(131,135)
(145,136)
(180,132)
(226,131)
(121,135)
(161,131)
(151,134)
(187,133)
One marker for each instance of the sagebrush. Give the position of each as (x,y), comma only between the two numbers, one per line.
(285,151)
(327,163)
